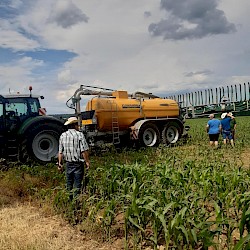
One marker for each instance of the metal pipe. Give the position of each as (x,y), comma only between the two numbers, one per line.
(209,101)
(195,104)
(248,91)
(139,94)
(240,93)
(212,96)
(236,94)
(245,90)
(189,98)
(198,94)
(232,93)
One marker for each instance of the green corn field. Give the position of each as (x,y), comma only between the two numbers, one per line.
(188,196)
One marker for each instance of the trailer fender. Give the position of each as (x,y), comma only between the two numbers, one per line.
(135,129)
(146,133)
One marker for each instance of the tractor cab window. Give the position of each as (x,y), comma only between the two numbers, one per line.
(1,116)
(34,105)
(1,110)
(16,108)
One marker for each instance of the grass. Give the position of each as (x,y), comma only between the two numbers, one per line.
(24,227)
(189,196)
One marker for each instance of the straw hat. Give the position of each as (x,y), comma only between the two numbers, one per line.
(71,120)
(223,115)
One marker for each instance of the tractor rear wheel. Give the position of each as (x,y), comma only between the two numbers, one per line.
(171,133)
(41,142)
(149,135)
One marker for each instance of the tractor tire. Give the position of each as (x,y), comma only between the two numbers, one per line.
(40,143)
(171,133)
(149,135)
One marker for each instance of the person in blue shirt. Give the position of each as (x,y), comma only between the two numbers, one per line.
(226,128)
(213,129)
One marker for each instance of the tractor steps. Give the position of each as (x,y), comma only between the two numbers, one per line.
(12,147)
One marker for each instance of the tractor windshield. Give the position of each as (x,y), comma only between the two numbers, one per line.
(22,106)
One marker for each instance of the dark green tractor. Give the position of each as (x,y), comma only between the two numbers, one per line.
(26,133)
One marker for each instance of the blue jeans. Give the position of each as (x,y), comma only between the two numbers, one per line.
(74,177)
(227,134)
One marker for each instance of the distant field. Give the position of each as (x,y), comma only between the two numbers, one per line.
(189,196)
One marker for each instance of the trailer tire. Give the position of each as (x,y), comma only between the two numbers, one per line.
(149,135)
(40,143)
(171,133)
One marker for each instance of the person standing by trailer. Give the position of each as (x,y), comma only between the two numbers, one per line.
(213,129)
(226,128)
(74,150)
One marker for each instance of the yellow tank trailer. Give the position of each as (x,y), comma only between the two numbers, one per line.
(120,118)
(129,110)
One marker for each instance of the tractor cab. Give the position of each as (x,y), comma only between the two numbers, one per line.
(14,111)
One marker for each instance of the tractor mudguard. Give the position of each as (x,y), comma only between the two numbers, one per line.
(30,122)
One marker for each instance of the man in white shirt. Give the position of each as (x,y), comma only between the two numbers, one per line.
(74,150)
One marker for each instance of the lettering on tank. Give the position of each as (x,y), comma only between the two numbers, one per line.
(133,106)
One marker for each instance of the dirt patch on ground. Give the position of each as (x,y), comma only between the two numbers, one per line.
(27,227)
(245,157)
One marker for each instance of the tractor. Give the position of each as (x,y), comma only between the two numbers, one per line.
(26,133)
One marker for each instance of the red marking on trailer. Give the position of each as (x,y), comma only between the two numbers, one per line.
(134,133)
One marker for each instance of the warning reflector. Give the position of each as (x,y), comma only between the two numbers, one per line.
(42,111)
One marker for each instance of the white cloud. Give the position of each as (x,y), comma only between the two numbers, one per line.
(12,39)
(17,76)
(115,50)
(65,76)
(66,14)
(16,3)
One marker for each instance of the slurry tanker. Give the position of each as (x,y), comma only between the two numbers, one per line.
(115,116)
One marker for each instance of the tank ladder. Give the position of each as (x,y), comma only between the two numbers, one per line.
(115,124)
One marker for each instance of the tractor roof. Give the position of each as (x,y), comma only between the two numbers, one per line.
(21,96)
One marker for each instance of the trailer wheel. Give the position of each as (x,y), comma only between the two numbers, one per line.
(41,143)
(171,133)
(149,135)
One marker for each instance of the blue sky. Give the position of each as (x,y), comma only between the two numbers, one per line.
(158,46)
